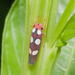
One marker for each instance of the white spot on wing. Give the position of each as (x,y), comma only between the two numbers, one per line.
(29,51)
(33,30)
(35,52)
(31,39)
(38,32)
(37,41)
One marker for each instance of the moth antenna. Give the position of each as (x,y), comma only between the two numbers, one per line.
(35,21)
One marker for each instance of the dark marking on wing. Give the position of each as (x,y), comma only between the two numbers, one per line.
(35,31)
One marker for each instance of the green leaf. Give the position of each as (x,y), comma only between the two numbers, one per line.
(67,33)
(65,64)
(60,43)
(17,33)
(12,41)
(69,30)
(61,24)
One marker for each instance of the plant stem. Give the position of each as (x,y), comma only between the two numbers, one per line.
(52,19)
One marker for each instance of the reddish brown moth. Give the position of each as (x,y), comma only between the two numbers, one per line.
(35,42)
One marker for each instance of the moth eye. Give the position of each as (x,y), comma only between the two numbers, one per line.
(34,26)
(41,28)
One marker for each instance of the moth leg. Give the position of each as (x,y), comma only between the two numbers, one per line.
(43,39)
(35,21)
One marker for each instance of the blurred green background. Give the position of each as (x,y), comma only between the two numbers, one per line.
(4,8)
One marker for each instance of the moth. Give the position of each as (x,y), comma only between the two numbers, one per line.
(35,42)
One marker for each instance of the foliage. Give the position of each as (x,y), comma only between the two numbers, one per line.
(17,33)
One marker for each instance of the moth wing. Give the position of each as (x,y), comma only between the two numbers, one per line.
(34,51)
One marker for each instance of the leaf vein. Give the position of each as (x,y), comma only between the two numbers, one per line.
(63,69)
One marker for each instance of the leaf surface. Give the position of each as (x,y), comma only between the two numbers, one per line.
(67,33)
(17,33)
(13,39)
(65,64)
